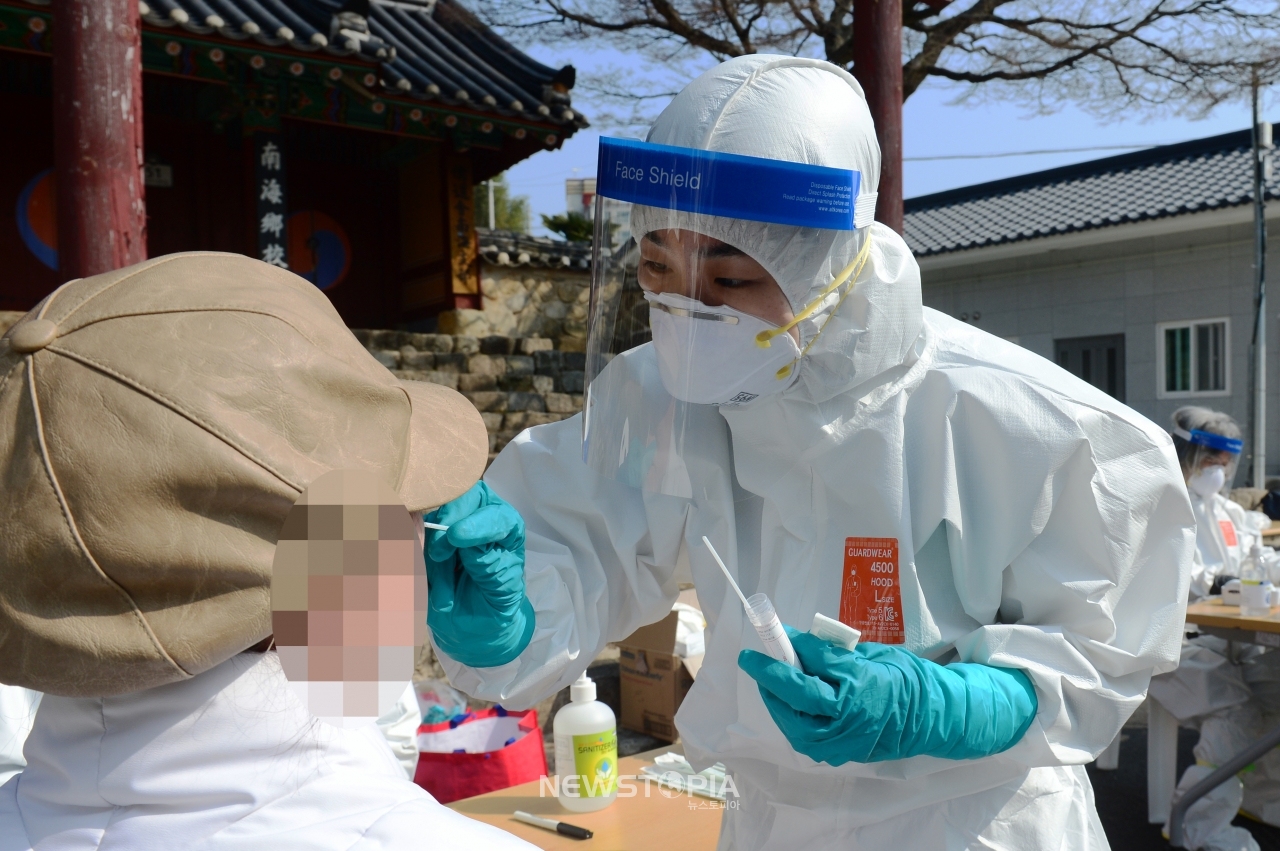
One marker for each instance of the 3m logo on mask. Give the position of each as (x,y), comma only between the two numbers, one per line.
(871,592)
(742,398)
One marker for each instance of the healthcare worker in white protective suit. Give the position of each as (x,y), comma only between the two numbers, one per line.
(1230,703)
(1013,544)
(1208,445)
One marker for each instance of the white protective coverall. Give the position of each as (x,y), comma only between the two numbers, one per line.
(1225,533)
(1041,525)
(1205,681)
(229,759)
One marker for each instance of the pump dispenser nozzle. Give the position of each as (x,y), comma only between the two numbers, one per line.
(583,689)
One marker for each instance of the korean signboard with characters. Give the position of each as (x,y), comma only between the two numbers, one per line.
(268,159)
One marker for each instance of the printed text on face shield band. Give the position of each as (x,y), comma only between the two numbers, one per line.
(718,184)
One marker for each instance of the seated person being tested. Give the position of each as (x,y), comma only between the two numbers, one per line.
(157,424)
(1013,544)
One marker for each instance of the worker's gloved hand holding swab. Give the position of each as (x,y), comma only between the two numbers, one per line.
(477,609)
(762,616)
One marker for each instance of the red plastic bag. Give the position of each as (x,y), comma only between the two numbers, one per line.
(481,752)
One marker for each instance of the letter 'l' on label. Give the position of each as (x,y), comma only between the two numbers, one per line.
(870,592)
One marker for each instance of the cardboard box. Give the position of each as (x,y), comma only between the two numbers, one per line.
(654,680)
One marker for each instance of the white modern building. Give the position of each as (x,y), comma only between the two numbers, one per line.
(580,197)
(1134,272)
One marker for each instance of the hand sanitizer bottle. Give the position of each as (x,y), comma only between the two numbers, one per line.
(586,739)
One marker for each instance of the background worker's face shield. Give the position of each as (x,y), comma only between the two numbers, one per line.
(723,329)
(1199,450)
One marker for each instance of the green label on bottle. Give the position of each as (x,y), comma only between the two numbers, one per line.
(595,759)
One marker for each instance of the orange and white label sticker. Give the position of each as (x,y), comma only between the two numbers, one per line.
(1229,533)
(871,593)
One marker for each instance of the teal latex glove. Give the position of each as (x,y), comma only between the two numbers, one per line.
(880,702)
(477,610)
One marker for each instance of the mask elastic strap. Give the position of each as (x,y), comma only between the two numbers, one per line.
(848,275)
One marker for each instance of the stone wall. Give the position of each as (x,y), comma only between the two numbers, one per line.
(530,287)
(515,383)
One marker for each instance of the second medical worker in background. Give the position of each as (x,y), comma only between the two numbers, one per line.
(1208,444)
(1013,544)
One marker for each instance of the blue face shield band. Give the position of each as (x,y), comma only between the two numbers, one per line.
(732,186)
(1210,441)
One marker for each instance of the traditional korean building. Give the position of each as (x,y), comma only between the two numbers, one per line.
(341,138)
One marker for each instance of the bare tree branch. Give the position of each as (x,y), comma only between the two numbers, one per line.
(1109,56)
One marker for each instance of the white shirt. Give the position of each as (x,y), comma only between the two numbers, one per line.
(229,759)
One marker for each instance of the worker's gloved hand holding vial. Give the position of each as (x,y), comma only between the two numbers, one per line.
(477,609)
(881,702)
(760,614)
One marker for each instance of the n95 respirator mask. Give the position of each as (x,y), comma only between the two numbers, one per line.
(711,355)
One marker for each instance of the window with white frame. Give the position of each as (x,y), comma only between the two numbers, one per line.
(1193,358)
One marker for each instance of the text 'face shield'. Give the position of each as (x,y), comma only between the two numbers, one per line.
(722,328)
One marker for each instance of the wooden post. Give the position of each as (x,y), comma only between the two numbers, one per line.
(463,247)
(97,93)
(877,63)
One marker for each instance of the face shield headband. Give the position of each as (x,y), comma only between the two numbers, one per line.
(733,186)
(1209,440)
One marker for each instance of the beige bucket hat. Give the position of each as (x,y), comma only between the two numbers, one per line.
(156,425)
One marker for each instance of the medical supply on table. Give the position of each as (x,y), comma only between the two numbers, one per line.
(1255,588)
(586,740)
(438,701)
(435,526)
(839,634)
(673,770)
(560,827)
(760,613)
(479,615)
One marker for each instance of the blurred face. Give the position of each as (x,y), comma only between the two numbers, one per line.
(684,263)
(348,596)
(1217,459)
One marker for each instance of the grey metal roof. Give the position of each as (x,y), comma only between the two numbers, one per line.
(432,49)
(1170,180)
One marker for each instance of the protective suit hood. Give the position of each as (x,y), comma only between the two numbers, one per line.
(804,111)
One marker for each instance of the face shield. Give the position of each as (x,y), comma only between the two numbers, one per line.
(1209,460)
(704,278)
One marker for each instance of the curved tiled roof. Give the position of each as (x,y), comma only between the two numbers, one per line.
(508,248)
(1169,180)
(432,49)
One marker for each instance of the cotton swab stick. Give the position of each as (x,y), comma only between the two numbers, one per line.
(435,526)
(763,617)
(715,555)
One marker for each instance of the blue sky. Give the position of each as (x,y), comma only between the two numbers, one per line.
(933,126)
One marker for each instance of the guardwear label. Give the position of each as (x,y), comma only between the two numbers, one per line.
(730,185)
(871,592)
(1228,533)
(595,759)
